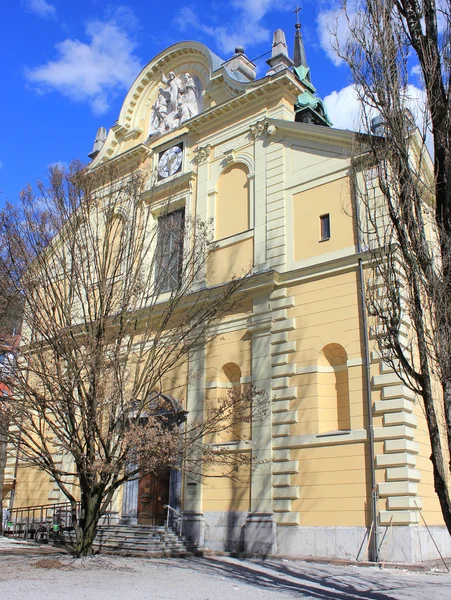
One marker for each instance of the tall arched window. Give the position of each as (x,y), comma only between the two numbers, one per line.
(333,389)
(232,202)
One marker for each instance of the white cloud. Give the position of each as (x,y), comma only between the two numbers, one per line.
(243,28)
(41,8)
(345,110)
(333,30)
(90,71)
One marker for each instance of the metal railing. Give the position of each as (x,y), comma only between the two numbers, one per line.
(170,509)
(57,516)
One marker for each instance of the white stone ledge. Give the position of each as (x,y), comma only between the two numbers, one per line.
(398,459)
(233,239)
(404,503)
(281,455)
(401,517)
(281,480)
(286,493)
(386,379)
(284,371)
(279,338)
(282,418)
(281,505)
(285,394)
(286,325)
(287,302)
(394,405)
(397,391)
(290,518)
(279,315)
(401,446)
(280,431)
(402,474)
(323,439)
(283,348)
(278,293)
(400,418)
(397,488)
(279,359)
(290,467)
(278,383)
(282,406)
(396,431)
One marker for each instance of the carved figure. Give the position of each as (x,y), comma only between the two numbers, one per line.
(159,113)
(177,102)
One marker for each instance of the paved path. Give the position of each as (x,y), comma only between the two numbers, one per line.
(117,578)
(22,577)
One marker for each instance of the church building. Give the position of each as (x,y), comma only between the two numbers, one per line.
(343,450)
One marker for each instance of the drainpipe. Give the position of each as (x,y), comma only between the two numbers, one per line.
(366,365)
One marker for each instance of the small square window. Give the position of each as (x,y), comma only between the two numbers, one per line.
(325,227)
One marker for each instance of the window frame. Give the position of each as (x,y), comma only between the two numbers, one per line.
(323,219)
(169,250)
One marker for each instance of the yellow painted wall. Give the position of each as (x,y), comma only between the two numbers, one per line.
(330,198)
(431,507)
(232,202)
(327,314)
(224,493)
(333,487)
(231,261)
(32,488)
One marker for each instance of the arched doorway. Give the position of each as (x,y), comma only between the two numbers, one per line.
(156,490)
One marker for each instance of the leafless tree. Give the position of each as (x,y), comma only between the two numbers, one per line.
(116,302)
(404,198)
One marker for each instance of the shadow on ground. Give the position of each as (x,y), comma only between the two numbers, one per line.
(313,581)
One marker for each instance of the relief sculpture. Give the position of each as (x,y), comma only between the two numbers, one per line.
(177,101)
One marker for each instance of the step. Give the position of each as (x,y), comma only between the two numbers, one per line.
(137,540)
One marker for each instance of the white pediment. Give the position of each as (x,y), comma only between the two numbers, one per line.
(176,86)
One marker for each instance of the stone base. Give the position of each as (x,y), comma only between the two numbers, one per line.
(410,544)
(224,531)
(194,528)
(260,534)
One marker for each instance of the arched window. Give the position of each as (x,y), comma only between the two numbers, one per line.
(232,202)
(333,389)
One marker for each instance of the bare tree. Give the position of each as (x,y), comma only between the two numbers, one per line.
(10,320)
(116,301)
(405,198)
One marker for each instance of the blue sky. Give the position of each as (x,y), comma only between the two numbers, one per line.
(66,66)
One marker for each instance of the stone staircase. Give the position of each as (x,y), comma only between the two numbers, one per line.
(137,540)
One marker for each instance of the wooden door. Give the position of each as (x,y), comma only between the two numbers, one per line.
(153,494)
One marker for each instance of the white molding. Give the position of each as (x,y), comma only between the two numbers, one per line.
(322,439)
(233,239)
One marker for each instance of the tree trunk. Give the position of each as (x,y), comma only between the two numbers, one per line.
(2,468)
(86,527)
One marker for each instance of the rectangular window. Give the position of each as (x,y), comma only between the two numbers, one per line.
(325,227)
(169,259)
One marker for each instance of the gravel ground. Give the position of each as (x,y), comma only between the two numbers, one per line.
(31,576)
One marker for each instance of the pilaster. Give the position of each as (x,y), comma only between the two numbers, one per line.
(194,523)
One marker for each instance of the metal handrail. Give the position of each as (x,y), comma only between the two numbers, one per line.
(176,512)
(56,513)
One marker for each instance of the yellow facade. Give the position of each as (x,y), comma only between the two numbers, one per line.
(266,182)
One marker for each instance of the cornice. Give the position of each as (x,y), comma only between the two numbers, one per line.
(314,132)
(130,158)
(264,90)
(171,186)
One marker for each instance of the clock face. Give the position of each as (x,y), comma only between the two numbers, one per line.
(170,162)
